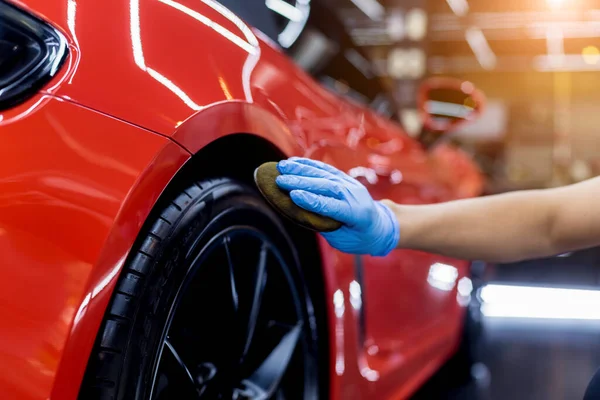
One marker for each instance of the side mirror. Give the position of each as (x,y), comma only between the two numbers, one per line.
(446,103)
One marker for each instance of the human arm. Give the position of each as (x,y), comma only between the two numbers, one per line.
(501,228)
(507,227)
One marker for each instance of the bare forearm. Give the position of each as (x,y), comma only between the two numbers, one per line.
(502,228)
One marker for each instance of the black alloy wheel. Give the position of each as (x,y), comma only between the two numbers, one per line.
(211,306)
(256,319)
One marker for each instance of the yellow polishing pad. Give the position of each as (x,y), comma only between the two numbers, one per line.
(264,177)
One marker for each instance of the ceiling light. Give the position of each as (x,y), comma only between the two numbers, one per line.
(459,7)
(555,46)
(555,3)
(511,301)
(417,63)
(395,25)
(397,61)
(416,24)
(590,55)
(478,43)
(371,8)
(406,63)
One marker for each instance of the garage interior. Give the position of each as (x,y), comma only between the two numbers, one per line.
(537,62)
(140,261)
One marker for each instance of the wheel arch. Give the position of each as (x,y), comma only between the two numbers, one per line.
(232,138)
(228,156)
(225,155)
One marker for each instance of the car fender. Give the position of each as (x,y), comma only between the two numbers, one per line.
(103,275)
(218,78)
(136,208)
(232,117)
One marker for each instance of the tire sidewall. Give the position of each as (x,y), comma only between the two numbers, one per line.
(220,207)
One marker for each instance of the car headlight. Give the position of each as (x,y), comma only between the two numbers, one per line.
(31,52)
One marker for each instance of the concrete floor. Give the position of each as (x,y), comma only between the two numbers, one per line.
(530,361)
(531,358)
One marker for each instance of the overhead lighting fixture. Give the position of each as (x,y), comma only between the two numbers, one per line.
(532,302)
(590,55)
(372,8)
(395,25)
(313,50)
(555,42)
(360,62)
(459,7)
(285,9)
(406,63)
(570,62)
(555,46)
(555,3)
(396,63)
(417,63)
(481,48)
(416,24)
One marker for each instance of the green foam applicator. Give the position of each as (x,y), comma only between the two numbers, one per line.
(280,200)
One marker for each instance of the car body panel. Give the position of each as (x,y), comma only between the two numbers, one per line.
(158,81)
(66,172)
(97,293)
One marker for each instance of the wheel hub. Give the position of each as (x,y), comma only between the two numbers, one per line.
(237,326)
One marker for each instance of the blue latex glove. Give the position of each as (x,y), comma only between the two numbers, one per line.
(370,227)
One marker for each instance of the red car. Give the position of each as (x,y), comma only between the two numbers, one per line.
(138,261)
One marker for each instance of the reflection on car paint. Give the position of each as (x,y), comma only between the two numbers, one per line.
(151,76)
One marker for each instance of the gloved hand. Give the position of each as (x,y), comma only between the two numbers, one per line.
(370,227)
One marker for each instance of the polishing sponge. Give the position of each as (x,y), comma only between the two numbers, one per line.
(264,177)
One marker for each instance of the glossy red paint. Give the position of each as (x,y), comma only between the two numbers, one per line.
(66,173)
(85,161)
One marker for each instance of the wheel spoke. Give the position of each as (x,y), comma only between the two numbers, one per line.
(265,379)
(210,298)
(179,362)
(239,285)
(174,377)
(234,293)
(259,288)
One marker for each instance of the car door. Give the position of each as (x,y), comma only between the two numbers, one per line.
(407,298)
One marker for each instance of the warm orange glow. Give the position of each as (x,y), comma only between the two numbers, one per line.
(555,3)
(590,54)
(373,142)
(469,102)
(225,89)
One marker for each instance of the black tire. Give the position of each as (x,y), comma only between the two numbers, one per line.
(170,307)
